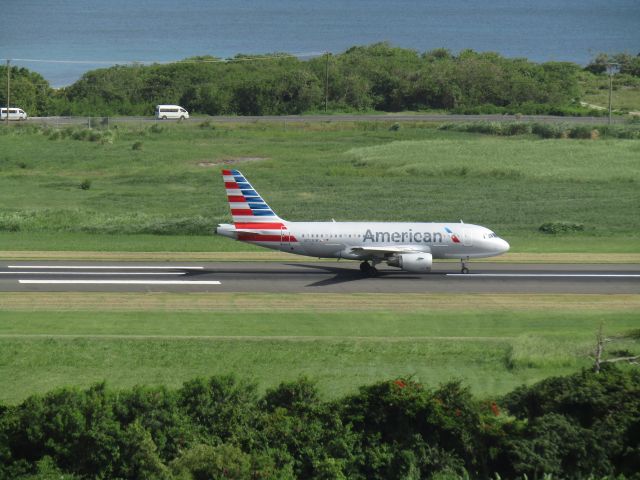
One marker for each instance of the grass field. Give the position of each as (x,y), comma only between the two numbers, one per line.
(492,342)
(167,195)
(162,199)
(625,96)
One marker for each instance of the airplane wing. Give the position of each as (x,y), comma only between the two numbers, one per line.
(389,250)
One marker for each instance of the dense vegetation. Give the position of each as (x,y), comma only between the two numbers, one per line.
(626,64)
(571,427)
(546,130)
(376,77)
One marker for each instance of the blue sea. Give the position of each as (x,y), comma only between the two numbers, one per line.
(69,37)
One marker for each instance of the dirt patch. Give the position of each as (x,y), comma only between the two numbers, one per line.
(230,161)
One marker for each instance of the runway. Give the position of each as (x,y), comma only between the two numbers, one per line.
(339,277)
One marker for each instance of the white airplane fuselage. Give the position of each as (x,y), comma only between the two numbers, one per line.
(409,246)
(339,239)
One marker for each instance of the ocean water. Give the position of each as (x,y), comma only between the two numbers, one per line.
(69,37)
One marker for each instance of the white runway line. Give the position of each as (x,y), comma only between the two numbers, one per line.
(539,275)
(102,267)
(91,273)
(121,282)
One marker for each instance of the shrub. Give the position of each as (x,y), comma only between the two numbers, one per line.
(490,128)
(581,131)
(156,128)
(629,132)
(548,130)
(136,146)
(554,228)
(204,461)
(82,134)
(197,225)
(94,136)
(85,184)
(55,135)
(9,224)
(207,125)
(516,128)
(107,137)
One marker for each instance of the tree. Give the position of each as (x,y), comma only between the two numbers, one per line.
(29,91)
(222,407)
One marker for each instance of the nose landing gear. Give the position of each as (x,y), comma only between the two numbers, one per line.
(463,264)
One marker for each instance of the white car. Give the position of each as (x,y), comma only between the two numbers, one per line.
(14,114)
(164,112)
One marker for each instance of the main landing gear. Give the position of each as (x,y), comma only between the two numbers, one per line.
(368,269)
(464,269)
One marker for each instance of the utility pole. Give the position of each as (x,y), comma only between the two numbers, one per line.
(8,88)
(610,68)
(326,84)
(599,349)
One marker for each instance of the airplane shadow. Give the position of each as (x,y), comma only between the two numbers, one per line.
(344,275)
(340,274)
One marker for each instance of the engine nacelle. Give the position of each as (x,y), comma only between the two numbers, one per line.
(413,262)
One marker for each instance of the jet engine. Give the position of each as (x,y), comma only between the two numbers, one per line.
(412,262)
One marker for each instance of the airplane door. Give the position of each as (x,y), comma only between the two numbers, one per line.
(467,238)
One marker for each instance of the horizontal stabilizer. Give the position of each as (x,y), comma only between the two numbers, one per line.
(257,232)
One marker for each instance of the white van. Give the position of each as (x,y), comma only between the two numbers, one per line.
(14,114)
(164,112)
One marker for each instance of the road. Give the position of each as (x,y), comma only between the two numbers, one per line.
(339,277)
(61,121)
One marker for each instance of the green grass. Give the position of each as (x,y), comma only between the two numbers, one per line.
(315,171)
(625,96)
(492,351)
(70,241)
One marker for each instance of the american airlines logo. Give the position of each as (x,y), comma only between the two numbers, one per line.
(410,236)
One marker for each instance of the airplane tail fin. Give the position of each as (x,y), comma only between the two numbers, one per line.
(247,206)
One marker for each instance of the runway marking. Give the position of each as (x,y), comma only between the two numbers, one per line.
(103,267)
(537,275)
(91,273)
(121,282)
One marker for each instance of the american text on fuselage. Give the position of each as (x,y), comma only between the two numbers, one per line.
(406,236)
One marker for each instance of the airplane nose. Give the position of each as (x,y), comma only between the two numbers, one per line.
(504,246)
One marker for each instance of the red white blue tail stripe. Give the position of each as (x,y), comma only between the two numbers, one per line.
(246,204)
(254,220)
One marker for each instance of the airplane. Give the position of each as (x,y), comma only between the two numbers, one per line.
(412,247)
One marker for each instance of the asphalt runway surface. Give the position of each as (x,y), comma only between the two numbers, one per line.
(329,276)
